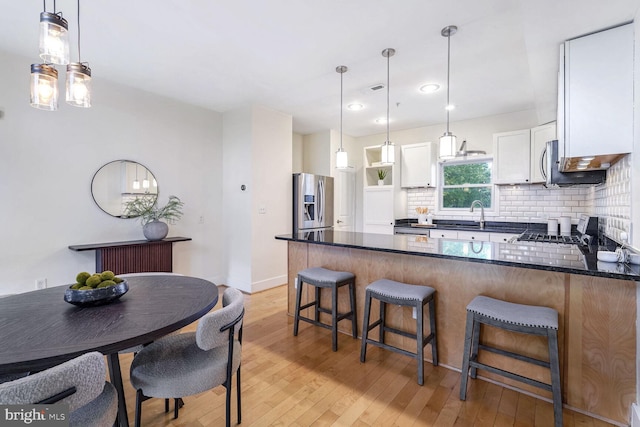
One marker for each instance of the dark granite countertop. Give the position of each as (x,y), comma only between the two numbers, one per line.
(489,226)
(535,255)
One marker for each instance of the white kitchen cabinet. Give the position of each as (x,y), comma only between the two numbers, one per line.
(378,207)
(381,203)
(597,118)
(501,237)
(443,234)
(511,157)
(418,165)
(479,236)
(373,164)
(539,137)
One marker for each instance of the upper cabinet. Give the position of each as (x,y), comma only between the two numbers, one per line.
(418,165)
(517,155)
(511,157)
(595,99)
(539,137)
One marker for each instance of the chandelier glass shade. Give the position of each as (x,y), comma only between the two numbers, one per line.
(54,38)
(44,87)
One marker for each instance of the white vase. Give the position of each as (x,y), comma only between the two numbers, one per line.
(381,182)
(155,230)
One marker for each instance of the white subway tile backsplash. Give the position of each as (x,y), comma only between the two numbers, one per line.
(535,203)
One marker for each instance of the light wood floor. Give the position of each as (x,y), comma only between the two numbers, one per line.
(299,381)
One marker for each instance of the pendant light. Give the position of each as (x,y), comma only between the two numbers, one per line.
(388,149)
(54,37)
(136,183)
(145,181)
(448,140)
(44,87)
(342,161)
(78,84)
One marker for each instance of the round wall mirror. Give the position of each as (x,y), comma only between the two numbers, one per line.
(120,181)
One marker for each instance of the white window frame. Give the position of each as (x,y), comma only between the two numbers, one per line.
(494,211)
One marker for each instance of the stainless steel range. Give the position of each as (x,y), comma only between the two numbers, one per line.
(547,238)
(587,228)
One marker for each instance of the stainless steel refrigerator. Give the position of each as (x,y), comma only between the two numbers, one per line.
(312,202)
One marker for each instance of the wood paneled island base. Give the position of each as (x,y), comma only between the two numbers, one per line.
(597,318)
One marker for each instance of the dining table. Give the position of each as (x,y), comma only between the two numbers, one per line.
(39,329)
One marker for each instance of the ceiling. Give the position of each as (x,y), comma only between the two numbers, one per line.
(224,55)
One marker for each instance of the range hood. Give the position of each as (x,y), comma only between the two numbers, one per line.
(588,163)
(550,165)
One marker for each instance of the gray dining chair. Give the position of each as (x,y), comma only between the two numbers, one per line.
(79,382)
(190,363)
(136,348)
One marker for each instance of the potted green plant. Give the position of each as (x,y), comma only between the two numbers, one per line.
(146,209)
(382,173)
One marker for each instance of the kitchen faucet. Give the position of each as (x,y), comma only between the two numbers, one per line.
(478,202)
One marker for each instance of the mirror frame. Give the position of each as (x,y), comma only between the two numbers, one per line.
(119,183)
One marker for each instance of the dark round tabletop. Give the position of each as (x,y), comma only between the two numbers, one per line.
(39,329)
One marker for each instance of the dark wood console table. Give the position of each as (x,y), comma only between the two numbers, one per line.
(135,256)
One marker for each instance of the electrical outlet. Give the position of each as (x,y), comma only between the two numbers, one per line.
(413,314)
(201,219)
(262,210)
(295,283)
(41,283)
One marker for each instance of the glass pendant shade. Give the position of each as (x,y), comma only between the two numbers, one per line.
(145,184)
(136,185)
(388,153)
(448,143)
(54,39)
(78,85)
(387,150)
(342,160)
(44,87)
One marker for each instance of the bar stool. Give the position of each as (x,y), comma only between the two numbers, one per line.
(391,292)
(325,278)
(527,319)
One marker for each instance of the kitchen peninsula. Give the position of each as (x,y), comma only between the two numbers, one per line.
(596,303)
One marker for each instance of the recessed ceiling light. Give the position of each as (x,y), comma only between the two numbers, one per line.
(429,88)
(450,107)
(355,107)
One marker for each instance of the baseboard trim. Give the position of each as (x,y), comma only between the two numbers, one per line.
(635,415)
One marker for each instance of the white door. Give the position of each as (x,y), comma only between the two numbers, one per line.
(345,199)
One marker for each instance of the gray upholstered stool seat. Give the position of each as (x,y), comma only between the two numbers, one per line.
(325,278)
(528,319)
(392,292)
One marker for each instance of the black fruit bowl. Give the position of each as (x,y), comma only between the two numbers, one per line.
(94,297)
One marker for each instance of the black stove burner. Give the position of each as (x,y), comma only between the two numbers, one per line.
(546,238)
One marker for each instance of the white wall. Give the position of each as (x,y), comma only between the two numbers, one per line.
(272,198)
(47,160)
(317,153)
(258,154)
(478,133)
(236,204)
(297,154)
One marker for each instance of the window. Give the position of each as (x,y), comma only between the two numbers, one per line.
(464,182)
